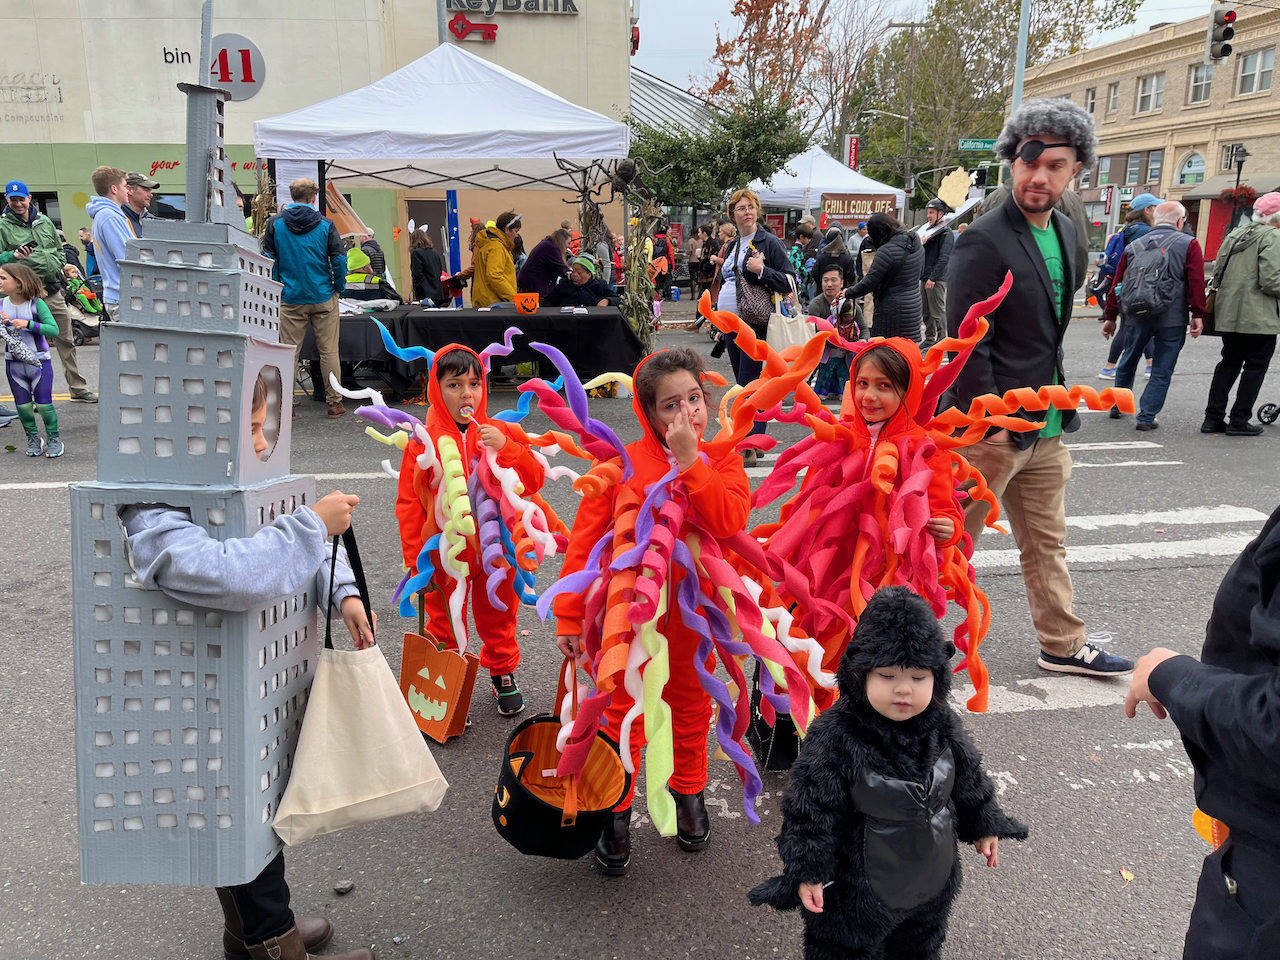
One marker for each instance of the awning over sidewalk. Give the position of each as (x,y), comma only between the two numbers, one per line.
(1211,189)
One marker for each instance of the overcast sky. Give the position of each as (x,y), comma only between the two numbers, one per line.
(677,37)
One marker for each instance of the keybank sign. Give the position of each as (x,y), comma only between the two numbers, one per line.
(491,7)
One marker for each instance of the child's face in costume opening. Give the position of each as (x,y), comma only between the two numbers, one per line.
(899,693)
(258,420)
(461,392)
(673,390)
(874,394)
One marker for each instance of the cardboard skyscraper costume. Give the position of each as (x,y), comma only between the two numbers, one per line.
(187,717)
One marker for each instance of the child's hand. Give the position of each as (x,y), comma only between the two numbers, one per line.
(811,897)
(682,441)
(987,847)
(335,510)
(362,632)
(570,646)
(940,528)
(492,437)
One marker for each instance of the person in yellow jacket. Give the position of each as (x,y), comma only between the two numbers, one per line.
(495,270)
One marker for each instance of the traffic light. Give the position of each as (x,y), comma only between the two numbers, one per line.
(1221,30)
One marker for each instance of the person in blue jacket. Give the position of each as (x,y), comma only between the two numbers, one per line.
(312,265)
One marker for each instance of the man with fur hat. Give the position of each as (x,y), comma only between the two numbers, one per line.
(886,783)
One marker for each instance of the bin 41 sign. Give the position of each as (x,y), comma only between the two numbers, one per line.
(491,7)
(237,66)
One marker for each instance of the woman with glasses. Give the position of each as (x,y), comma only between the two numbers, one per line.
(752,263)
(495,267)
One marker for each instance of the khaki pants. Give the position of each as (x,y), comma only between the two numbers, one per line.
(323,318)
(935,313)
(1031,486)
(868,302)
(63,343)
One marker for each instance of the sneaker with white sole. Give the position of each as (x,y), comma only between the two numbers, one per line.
(1147,373)
(35,445)
(54,448)
(1107,373)
(1090,660)
(510,699)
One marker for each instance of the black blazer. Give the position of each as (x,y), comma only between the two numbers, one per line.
(1023,348)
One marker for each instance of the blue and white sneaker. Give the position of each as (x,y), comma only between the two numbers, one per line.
(1107,373)
(1090,660)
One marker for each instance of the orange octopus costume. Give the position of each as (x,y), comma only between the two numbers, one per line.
(719,496)
(858,522)
(417,513)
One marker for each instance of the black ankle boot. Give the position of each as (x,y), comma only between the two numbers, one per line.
(693,826)
(613,851)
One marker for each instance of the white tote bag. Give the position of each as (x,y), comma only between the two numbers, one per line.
(360,757)
(787,331)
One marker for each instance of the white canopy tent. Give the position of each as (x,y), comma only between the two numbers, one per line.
(805,178)
(447,121)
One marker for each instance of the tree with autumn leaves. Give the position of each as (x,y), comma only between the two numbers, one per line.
(806,71)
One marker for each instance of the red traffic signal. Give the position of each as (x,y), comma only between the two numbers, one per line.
(1221,18)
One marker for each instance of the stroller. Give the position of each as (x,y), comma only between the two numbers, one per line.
(86,298)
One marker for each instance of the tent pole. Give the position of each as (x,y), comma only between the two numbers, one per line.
(455,243)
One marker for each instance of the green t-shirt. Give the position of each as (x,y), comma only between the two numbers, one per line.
(1051,249)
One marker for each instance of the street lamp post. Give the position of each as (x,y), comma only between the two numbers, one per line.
(1239,155)
(911,73)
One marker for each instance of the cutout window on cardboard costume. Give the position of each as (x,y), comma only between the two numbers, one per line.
(271,426)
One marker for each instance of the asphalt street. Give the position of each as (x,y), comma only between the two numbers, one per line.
(1154,527)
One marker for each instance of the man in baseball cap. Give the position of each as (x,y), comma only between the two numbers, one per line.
(1144,200)
(139,190)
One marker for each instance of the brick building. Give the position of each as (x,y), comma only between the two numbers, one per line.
(1170,125)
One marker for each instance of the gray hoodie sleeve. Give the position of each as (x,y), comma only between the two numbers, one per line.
(169,552)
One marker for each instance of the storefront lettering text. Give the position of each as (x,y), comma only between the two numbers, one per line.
(491,7)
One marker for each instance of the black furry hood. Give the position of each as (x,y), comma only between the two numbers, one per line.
(897,629)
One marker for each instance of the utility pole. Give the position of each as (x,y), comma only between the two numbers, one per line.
(911,74)
(1020,68)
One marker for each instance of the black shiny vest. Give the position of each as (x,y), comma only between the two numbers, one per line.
(910,840)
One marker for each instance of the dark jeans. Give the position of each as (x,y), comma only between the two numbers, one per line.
(1243,924)
(1120,341)
(662,286)
(1168,344)
(1247,356)
(744,371)
(264,903)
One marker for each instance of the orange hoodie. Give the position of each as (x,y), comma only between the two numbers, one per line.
(942,494)
(414,496)
(719,492)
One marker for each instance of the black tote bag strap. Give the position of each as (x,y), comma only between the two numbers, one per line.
(357,568)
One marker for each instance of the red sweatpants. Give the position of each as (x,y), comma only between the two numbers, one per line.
(500,652)
(690,715)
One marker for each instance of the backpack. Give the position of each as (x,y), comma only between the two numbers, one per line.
(661,248)
(1149,286)
(1111,255)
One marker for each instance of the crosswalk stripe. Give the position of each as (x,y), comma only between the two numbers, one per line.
(1224,546)
(1115,445)
(1048,693)
(1183,515)
(1130,463)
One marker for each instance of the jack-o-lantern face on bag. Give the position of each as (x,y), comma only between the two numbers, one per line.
(437,684)
(526,303)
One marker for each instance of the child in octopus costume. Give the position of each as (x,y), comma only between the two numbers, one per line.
(650,594)
(472,524)
(879,503)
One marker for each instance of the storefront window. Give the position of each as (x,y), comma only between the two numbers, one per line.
(169,206)
(1113,97)
(1191,170)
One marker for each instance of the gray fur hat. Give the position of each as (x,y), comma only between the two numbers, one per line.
(1061,119)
